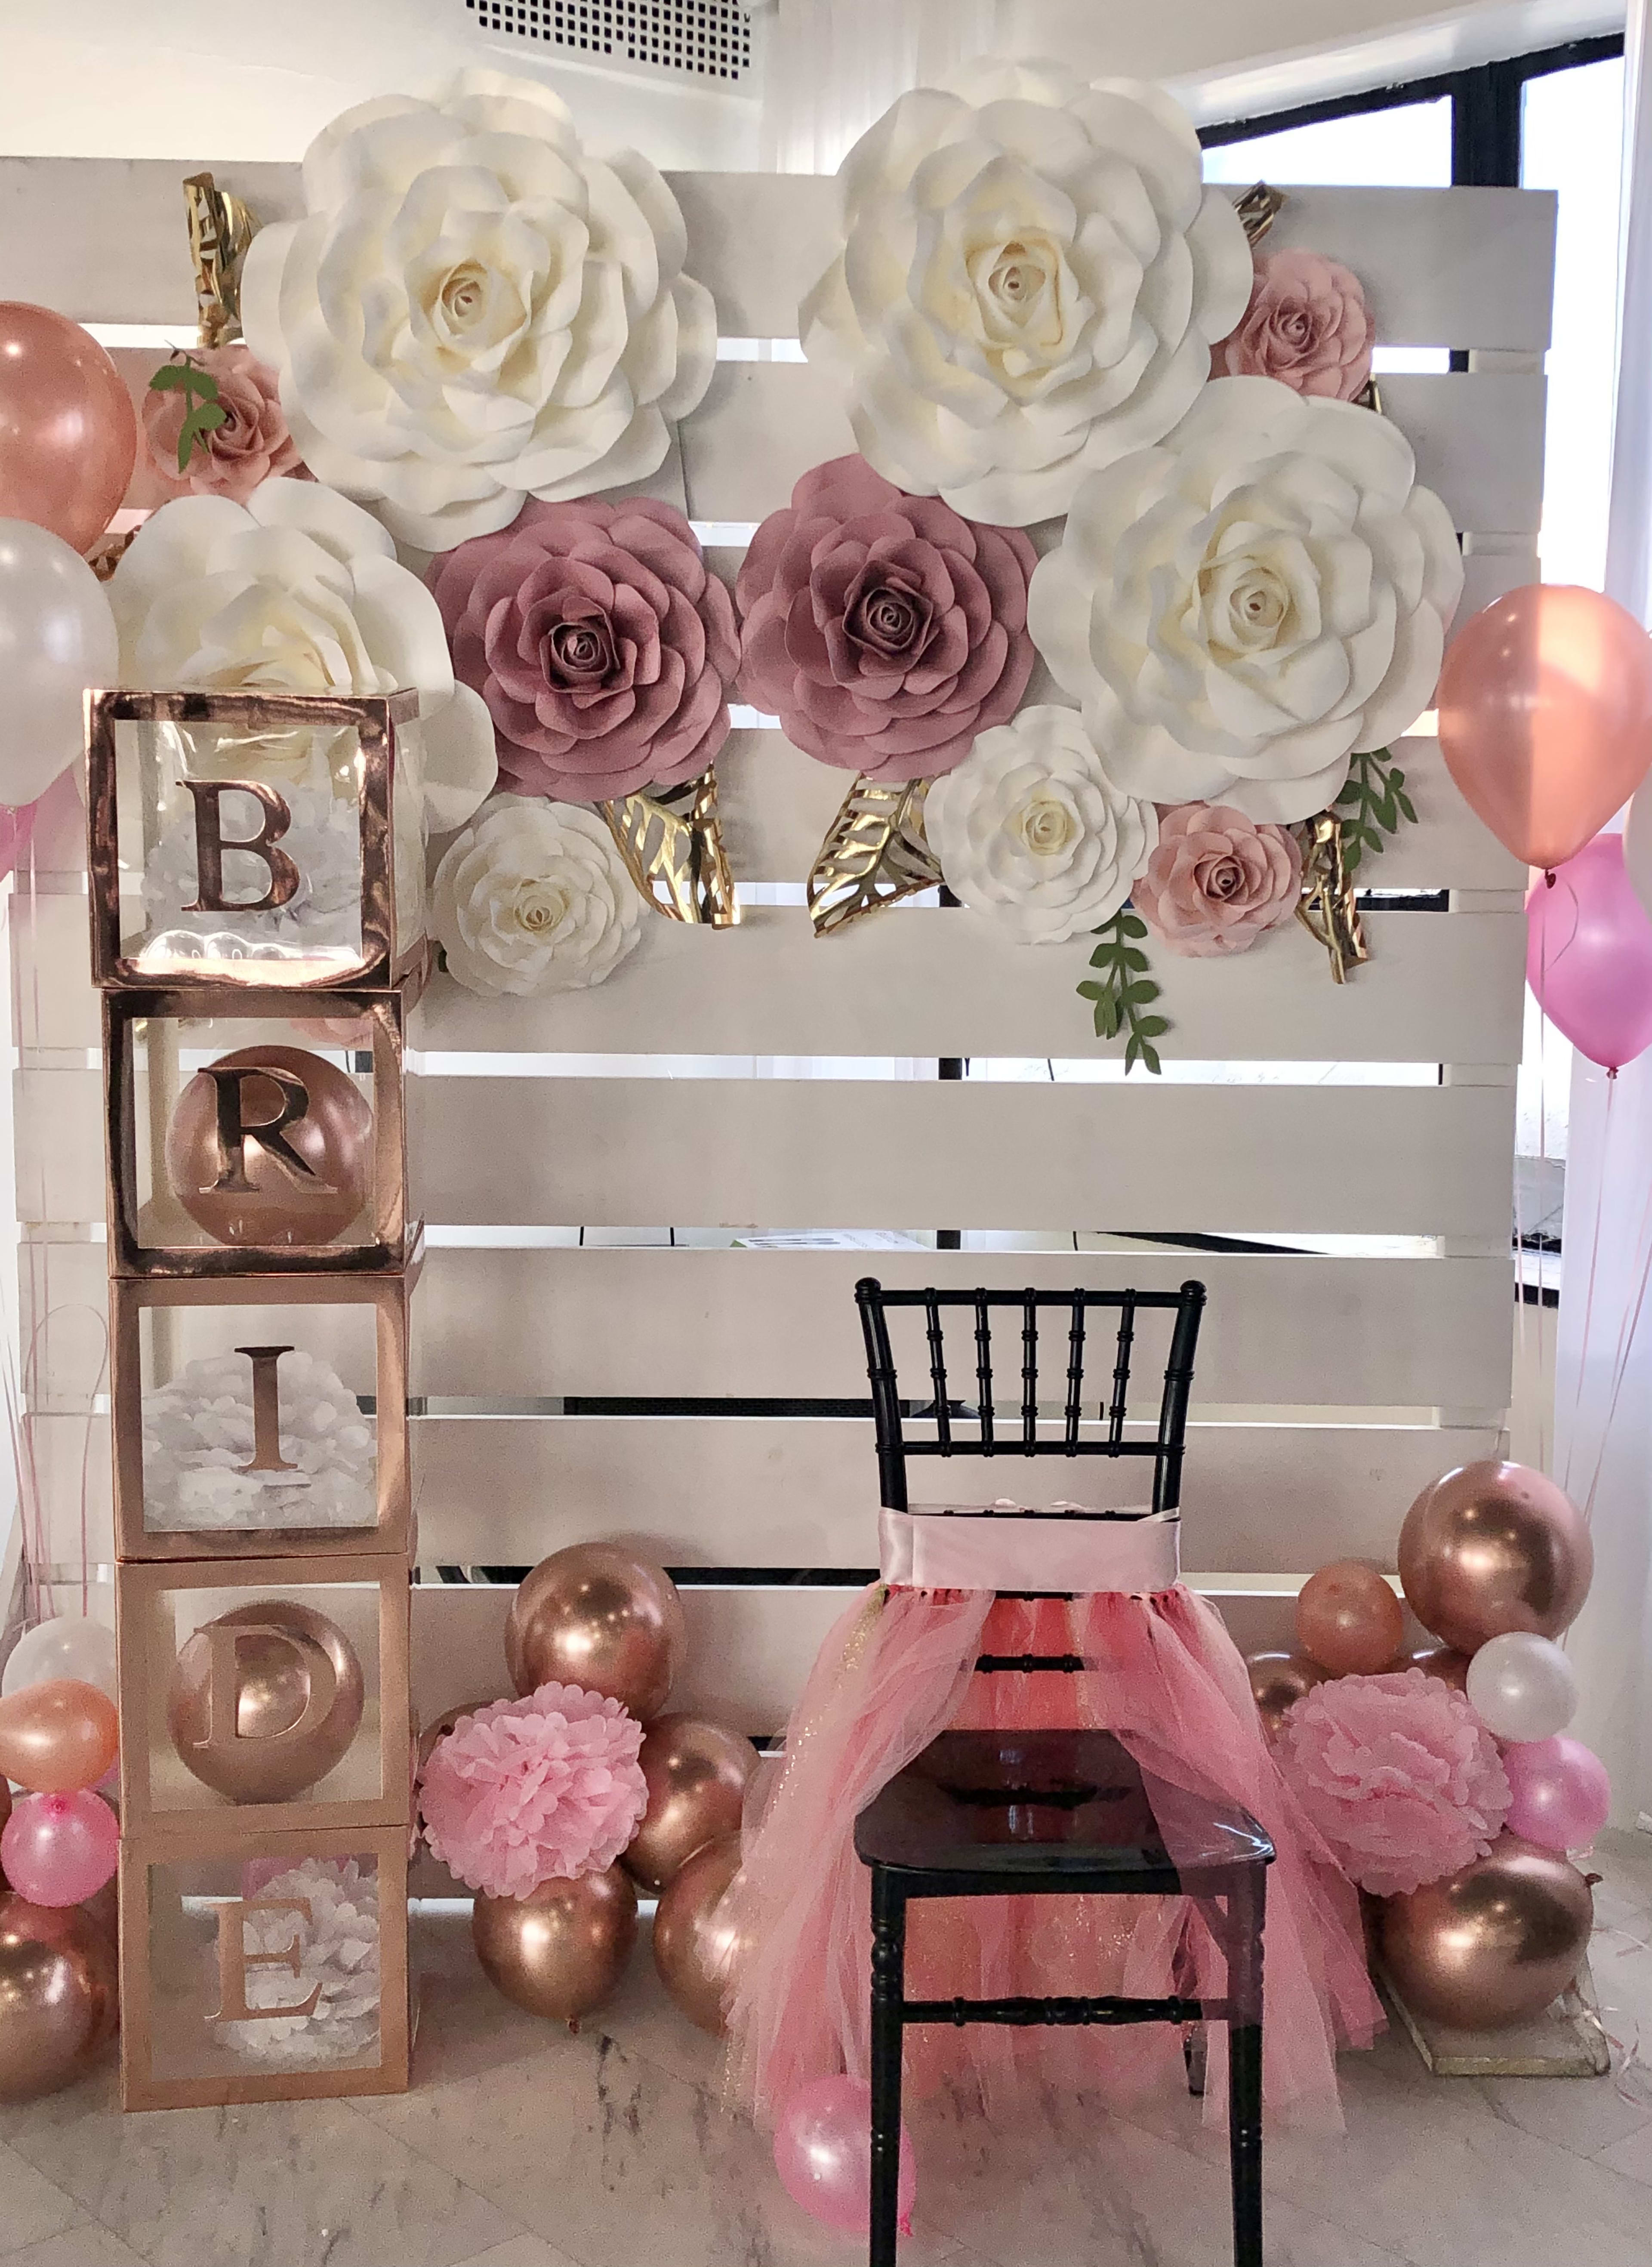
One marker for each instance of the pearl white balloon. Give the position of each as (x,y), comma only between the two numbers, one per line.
(1523,1687)
(71,1646)
(57,637)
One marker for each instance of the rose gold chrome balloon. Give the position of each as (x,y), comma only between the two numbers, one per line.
(698,1944)
(1494,1547)
(1492,1943)
(1440,1661)
(246,1192)
(1349,1619)
(57,1736)
(298,1697)
(5,1813)
(598,1616)
(441,1726)
(1278,1681)
(58,2000)
(560,1950)
(697,1771)
(67,429)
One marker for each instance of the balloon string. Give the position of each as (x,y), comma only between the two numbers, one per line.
(1589,1294)
(30,1382)
(1627,1331)
(1544,1399)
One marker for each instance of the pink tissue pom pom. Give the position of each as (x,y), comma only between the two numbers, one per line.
(535,1790)
(1398,1773)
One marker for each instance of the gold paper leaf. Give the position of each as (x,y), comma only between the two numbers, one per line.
(672,844)
(874,855)
(1258,209)
(1328,911)
(220,229)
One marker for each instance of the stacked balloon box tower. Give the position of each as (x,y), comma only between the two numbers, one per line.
(258,935)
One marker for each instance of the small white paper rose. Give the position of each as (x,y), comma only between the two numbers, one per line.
(1033,277)
(474,310)
(533,897)
(1244,606)
(1031,831)
(335,1949)
(298,590)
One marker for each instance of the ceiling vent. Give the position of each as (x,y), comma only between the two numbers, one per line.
(710,41)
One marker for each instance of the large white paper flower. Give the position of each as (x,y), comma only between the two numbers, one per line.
(474,310)
(1032,277)
(533,897)
(1244,606)
(298,590)
(1031,831)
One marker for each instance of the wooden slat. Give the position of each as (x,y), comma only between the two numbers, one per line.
(777,805)
(840,1154)
(765,1325)
(926,983)
(1479,439)
(104,240)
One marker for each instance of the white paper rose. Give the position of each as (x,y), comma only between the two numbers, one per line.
(474,310)
(1244,606)
(299,590)
(1031,831)
(533,897)
(1033,277)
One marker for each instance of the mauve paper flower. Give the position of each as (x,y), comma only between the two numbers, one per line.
(882,630)
(1217,880)
(602,643)
(1307,324)
(251,444)
(540,1789)
(1398,1773)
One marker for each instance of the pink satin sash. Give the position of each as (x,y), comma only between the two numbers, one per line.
(1001,1547)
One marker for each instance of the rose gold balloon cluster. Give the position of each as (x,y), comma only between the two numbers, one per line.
(1488,1549)
(599,1616)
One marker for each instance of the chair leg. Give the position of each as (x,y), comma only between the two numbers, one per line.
(1246,1916)
(889,1962)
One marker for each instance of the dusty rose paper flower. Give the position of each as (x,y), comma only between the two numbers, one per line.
(251,444)
(883,630)
(1398,1773)
(1307,324)
(601,642)
(540,1789)
(1217,880)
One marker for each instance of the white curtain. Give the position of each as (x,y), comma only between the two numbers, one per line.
(1604,1362)
(831,67)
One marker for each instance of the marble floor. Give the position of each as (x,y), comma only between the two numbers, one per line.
(522,2147)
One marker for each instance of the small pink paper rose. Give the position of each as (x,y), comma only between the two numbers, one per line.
(1217,880)
(601,642)
(1307,324)
(883,630)
(252,445)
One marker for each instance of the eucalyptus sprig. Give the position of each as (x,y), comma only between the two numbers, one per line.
(1371,806)
(1126,991)
(203,412)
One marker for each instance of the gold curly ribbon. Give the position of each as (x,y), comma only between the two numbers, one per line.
(1258,209)
(672,844)
(220,227)
(875,854)
(1328,909)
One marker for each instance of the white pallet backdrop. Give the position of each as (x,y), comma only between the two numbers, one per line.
(1332,1382)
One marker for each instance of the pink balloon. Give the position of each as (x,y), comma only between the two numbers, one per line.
(1562,1796)
(60,1849)
(823,2154)
(1545,717)
(1588,954)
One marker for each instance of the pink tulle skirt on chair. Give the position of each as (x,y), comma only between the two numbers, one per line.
(1162,1675)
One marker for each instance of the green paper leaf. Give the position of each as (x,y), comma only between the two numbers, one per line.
(1123,989)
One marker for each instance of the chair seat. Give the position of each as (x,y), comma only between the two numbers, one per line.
(985,1813)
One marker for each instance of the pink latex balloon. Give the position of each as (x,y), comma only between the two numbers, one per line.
(1562,1795)
(1588,954)
(67,429)
(823,2154)
(60,1849)
(1545,717)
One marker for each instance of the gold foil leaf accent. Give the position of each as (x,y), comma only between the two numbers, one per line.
(875,854)
(108,551)
(1258,209)
(1370,397)
(1328,911)
(672,844)
(220,227)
